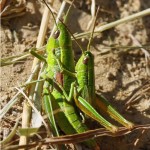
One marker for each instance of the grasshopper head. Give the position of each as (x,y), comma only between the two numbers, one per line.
(64,37)
(51,44)
(88,58)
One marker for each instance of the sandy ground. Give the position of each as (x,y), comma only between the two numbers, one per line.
(121,74)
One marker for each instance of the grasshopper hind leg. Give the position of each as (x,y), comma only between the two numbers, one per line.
(105,106)
(47,98)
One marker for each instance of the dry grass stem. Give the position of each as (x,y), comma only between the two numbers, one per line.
(115,23)
(93,10)
(40,41)
(76,138)
(63,5)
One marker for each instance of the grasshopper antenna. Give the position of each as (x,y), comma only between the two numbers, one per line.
(68,28)
(92,33)
(51,13)
(64,23)
(67,14)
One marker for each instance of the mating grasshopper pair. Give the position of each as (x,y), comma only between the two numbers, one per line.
(73,85)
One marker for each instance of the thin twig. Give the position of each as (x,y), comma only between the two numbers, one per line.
(40,41)
(115,23)
(77,138)
(63,5)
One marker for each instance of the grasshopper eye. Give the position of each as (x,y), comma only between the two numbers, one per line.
(85,60)
(56,34)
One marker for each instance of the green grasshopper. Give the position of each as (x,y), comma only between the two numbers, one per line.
(56,64)
(86,87)
(67,118)
(86,84)
(52,71)
(72,122)
(68,79)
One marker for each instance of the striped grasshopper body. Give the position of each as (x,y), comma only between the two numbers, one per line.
(83,93)
(67,117)
(86,86)
(85,77)
(85,73)
(59,48)
(67,66)
(69,86)
(65,109)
